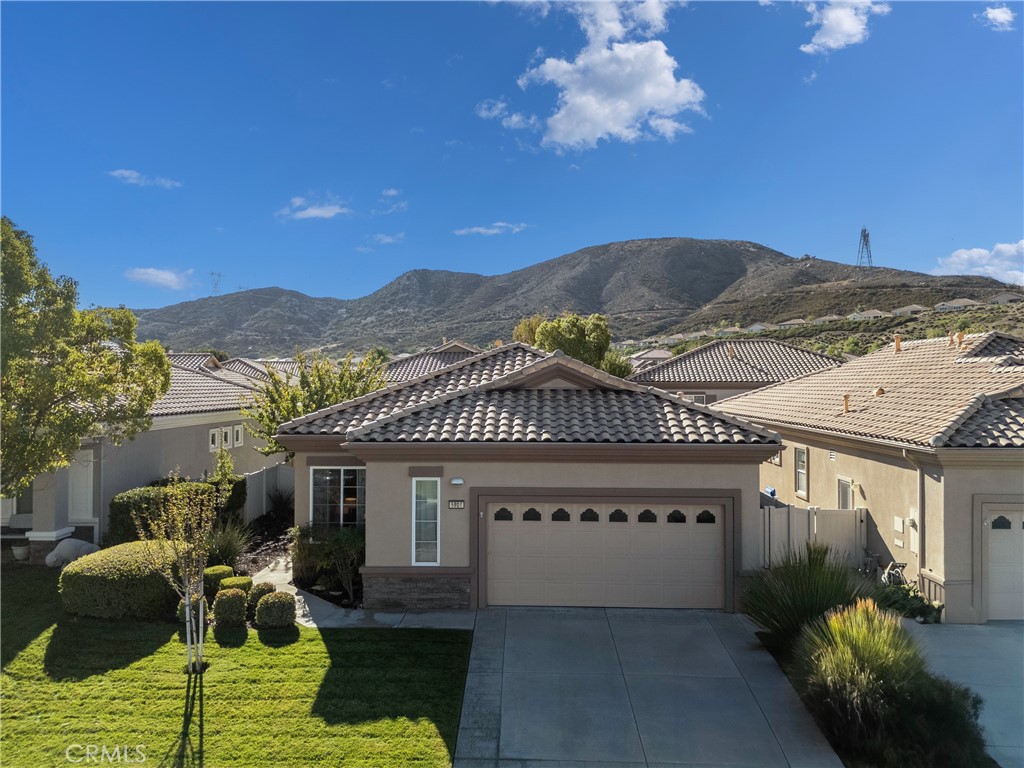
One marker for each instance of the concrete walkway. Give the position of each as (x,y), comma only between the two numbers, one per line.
(629,688)
(988,658)
(313,611)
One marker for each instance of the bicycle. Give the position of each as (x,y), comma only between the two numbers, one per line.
(891,575)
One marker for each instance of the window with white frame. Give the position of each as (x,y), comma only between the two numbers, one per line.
(239,437)
(225,437)
(845,494)
(696,397)
(426,520)
(337,497)
(214,440)
(800,471)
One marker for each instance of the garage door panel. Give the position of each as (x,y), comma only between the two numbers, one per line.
(1005,571)
(552,561)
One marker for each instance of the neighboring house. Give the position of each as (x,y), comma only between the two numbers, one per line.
(411,366)
(644,360)
(910,310)
(241,370)
(956,305)
(759,327)
(732,330)
(827,319)
(868,314)
(794,323)
(698,335)
(930,440)
(197,415)
(518,477)
(1006,297)
(726,368)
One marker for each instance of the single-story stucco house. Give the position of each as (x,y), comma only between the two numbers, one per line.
(956,305)
(726,368)
(198,415)
(827,319)
(1006,297)
(520,477)
(928,436)
(909,311)
(867,314)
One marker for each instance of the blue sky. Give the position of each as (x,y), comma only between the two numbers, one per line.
(329,147)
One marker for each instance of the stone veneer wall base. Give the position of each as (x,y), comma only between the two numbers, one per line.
(415,593)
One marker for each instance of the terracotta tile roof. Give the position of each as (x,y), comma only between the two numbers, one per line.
(472,371)
(756,361)
(414,366)
(559,416)
(934,395)
(194,391)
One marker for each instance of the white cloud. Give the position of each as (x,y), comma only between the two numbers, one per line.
(617,87)
(160,278)
(518,121)
(390,192)
(128,176)
(1004,262)
(364,249)
(1000,18)
(383,239)
(489,109)
(497,228)
(840,23)
(497,109)
(301,208)
(811,77)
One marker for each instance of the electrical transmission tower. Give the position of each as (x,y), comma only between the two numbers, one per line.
(864,250)
(215,281)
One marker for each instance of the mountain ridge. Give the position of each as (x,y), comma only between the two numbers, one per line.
(646,287)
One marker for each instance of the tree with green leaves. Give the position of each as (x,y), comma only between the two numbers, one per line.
(65,373)
(320,383)
(182,526)
(526,330)
(585,338)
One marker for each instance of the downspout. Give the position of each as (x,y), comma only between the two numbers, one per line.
(921,546)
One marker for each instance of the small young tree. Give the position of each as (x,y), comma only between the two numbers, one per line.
(526,330)
(183,525)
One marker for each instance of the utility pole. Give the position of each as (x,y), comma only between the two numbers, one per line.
(215,281)
(864,249)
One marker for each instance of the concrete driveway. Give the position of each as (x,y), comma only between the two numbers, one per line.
(989,658)
(611,687)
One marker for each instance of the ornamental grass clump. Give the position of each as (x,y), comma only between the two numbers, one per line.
(804,585)
(860,673)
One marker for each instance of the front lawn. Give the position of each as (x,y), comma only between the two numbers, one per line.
(371,697)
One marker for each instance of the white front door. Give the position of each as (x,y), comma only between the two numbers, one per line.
(1005,577)
(80,508)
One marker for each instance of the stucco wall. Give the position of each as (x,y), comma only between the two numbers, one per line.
(389,498)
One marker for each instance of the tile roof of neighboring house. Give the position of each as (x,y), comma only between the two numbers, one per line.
(558,416)
(958,303)
(488,398)
(911,308)
(255,369)
(934,395)
(753,361)
(414,366)
(197,361)
(338,419)
(195,391)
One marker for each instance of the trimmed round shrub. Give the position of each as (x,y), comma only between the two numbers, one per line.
(196,600)
(146,503)
(243,583)
(257,592)
(120,582)
(229,608)
(275,610)
(800,589)
(213,576)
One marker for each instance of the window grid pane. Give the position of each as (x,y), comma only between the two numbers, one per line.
(426,520)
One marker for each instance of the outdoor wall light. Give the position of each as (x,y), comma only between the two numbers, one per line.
(458,481)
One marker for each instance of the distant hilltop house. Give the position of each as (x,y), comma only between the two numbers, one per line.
(732,330)
(428,361)
(827,319)
(725,368)
(644,360)
(910,310)
(1006,297)
(867,314)
(794,323)
(198,415)
(956,305)
(927,437)
(759,327)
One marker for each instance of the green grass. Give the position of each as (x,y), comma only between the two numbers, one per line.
(298,697)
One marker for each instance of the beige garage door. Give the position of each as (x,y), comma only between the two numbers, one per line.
(613,555)
(1006,564)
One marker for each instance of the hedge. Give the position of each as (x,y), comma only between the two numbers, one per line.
(256,594)
(213,576)
(275,610)
(195,608)
(229,608)
(243,583)
(146,502)
(120,582)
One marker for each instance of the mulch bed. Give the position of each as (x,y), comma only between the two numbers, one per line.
(255,561)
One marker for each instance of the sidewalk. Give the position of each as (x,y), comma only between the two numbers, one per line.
(313,611)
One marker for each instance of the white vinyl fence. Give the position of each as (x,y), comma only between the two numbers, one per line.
(279,477)
(788,527)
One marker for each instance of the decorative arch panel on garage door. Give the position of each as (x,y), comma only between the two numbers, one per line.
(607,552)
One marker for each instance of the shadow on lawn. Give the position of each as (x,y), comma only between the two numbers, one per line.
(389,674)
(30,605)
(184,753)
(80,648)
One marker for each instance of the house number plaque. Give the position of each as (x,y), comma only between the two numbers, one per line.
(456,504)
